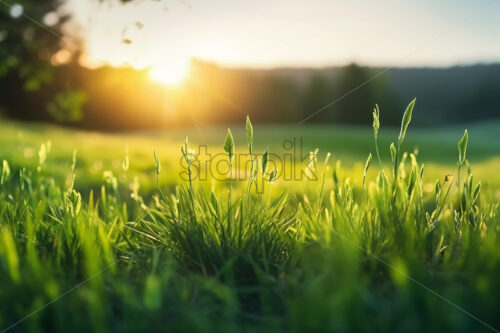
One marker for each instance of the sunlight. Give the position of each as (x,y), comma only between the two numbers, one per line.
(169,73)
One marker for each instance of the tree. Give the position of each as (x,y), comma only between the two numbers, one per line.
(25,56)
(358,90)
(356,107)
(317,94)
(29,38)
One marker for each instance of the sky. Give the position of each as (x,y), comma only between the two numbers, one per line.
(165,34)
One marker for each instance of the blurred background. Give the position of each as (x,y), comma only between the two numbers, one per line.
(137,65)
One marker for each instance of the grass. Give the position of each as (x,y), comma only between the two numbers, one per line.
(394,245)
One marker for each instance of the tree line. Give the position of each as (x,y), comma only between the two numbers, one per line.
(33,88)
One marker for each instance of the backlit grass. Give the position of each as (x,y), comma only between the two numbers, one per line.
(125,245)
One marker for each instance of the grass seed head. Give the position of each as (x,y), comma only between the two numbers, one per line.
(265,161)
(229,145)
(462,148)
(376,120)
(5,172)
(393,152)
(406,121)
(249,132)
(157,163)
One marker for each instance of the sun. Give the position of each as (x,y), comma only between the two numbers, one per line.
(169,73)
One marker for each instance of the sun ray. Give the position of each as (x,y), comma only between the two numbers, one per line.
(169,73)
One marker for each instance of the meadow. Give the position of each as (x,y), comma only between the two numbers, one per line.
(99,233)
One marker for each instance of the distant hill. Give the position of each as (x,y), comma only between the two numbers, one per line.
(445,95)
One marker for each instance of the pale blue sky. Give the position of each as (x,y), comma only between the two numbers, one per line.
(270,33)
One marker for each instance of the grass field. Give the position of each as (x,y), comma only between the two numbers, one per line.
(98,152)
(90,242)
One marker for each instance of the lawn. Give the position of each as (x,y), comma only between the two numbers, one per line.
(95,235)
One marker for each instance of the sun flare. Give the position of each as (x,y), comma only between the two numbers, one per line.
(169,73)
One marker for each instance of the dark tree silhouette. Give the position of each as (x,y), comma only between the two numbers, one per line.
(317,94)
